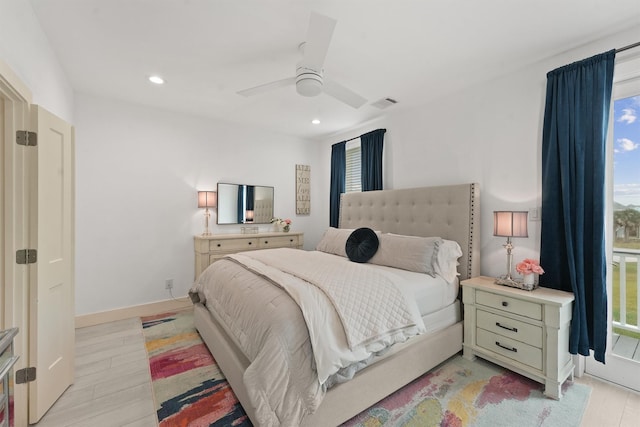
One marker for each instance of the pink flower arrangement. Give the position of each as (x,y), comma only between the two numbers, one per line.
(284,223)
(281,222)
(529,266)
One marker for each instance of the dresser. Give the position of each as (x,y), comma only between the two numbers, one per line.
(524,331)
(209,249)
(7,360)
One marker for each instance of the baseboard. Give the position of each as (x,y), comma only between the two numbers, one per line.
(133,311)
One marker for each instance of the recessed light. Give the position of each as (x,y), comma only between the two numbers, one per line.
(156,79)
(315,121)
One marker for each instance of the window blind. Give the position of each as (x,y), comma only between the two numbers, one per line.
(353,176)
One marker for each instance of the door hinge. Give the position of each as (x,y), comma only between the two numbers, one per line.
(25,375)
(24,137)
(26,256)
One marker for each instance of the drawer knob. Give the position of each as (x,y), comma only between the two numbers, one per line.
(291,240)
(515,350)
(250,243)
(218,244)
(505,304)
(506,327)
(266,242)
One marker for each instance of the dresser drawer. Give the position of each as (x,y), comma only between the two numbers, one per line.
(231,245)
(278,242)
(511,328)
(516,350)
(510,305)
(209,249)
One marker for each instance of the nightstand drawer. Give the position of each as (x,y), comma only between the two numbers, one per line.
(511,305)
(278,242)
(229,245)
(511,328)
(516,350)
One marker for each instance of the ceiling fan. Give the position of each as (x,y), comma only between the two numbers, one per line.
(309,78)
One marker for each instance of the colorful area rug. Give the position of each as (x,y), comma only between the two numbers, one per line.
(190,390)
(188,387)
(478,393)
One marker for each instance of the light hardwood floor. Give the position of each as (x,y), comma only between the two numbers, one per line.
(113,385)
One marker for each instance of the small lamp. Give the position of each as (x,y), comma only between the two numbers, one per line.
(207,199)
(509,224)
(249,216)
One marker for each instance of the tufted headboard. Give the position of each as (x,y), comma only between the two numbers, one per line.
(449,211)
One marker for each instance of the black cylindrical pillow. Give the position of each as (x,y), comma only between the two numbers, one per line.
(362,244)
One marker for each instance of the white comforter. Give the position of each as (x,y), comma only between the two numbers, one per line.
(346,312)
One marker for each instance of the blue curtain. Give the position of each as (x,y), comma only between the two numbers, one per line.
(338,168)
(572,249)
(240,204)
(371,145)
(250,197)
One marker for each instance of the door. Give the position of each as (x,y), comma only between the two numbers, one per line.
(52,314)
(623,240)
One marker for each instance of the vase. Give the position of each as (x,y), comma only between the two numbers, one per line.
(529,279)
(286,228)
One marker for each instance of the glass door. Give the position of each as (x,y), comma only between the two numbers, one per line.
(623,234)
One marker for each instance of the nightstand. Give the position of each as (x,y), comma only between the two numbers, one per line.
(524,331)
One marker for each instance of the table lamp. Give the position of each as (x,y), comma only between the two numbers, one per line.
(509,224)
(207,199)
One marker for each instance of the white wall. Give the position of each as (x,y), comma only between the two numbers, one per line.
(490,134)
(26,50)
(138,172)
(138,169)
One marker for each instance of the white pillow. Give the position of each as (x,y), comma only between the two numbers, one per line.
(334,241)
(447,263)
(407,252)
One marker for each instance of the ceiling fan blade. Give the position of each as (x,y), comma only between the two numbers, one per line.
(318,38)
(267,87)
(343,94)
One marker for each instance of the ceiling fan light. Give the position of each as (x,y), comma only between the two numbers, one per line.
(309,87)
(309,83)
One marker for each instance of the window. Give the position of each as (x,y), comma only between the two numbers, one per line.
(353,176)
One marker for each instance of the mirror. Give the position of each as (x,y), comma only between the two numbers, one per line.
(244,204)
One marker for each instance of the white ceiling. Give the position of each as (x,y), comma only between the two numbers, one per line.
(207,50)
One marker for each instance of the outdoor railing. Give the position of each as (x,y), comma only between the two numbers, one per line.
(628,261)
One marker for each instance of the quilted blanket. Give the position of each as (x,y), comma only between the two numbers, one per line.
(368,303)
(348,314)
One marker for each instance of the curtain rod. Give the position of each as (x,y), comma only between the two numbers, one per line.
(631,46)
(357,137)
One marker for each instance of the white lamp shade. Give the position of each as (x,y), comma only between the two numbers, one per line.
(207,199)
(510,223)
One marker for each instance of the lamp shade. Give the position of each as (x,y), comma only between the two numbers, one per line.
(207,199)
(510,223)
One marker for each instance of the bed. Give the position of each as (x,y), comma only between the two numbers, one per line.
(450,212)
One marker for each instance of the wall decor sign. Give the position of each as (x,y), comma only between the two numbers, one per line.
(303,190)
